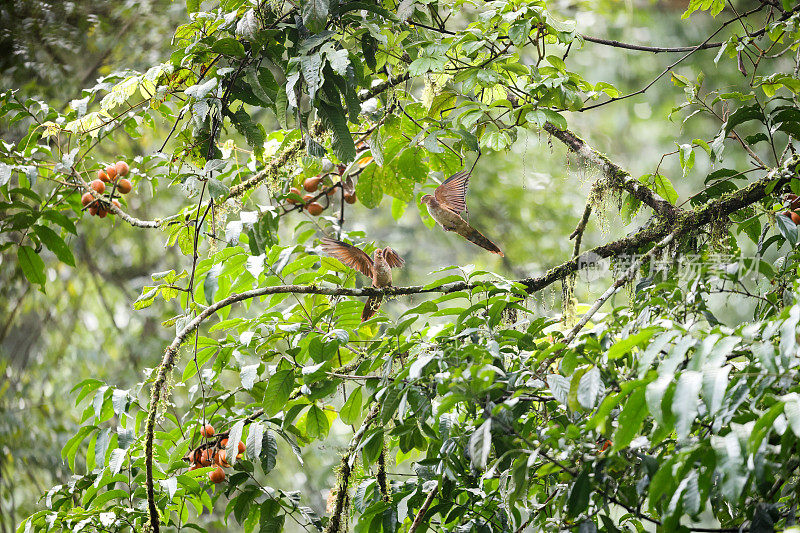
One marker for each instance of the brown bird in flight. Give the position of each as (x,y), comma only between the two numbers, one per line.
(378,268)
(449,200)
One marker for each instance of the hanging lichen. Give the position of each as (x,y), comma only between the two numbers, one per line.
(568,302)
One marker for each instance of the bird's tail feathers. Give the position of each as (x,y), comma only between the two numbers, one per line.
(475,236)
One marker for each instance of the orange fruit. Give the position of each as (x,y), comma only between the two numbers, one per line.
(795,217)
(207,431)
(307,198)
(122,168)
(102,213)
(311,184)
(191,456)
(86,199)
(98,186)
(296,191)
(350,198)
(217,476)
(116,203)
(331,191)
(102,176)
(220,459)
(223,443)
(93,209)
(315,209)
(124,186)
(241,447)
(112,172)
(206,458)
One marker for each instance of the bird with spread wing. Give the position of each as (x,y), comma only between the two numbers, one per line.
(378,267)
(447,203)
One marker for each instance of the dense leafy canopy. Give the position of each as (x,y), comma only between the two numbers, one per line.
(469,408)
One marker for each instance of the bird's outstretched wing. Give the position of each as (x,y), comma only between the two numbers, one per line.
(393,259)
(348,254)
(452,193)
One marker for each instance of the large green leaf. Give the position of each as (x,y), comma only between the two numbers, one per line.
(31,264)
(335,120)
(279,388)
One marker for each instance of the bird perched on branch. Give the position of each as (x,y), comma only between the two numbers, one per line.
(378,268)
(447,203)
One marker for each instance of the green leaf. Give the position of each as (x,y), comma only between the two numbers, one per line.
(253,132)
(317,424)
(684,404)
(742,115)
(342,142)
(31,264)
(315,14)
(630,419)
(55,244)
(60,219)
(555,119)
(578,499)
(368,188)
(663,187)
(480,444)
(279,388)
(588,387)
(351,410)
(624,346)
(71,447)
(255,439)
(787,228)
(559,386)
(269,452)
(270,522)
(369,46)
(229,47)
(234,436)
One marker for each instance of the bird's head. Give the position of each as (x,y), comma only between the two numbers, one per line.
(426,199)
(379,254)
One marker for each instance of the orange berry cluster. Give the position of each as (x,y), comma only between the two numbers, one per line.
(113,174)
(792,201)
(213,454)
(312,185)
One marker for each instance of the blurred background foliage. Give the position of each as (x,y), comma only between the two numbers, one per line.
(529,199)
